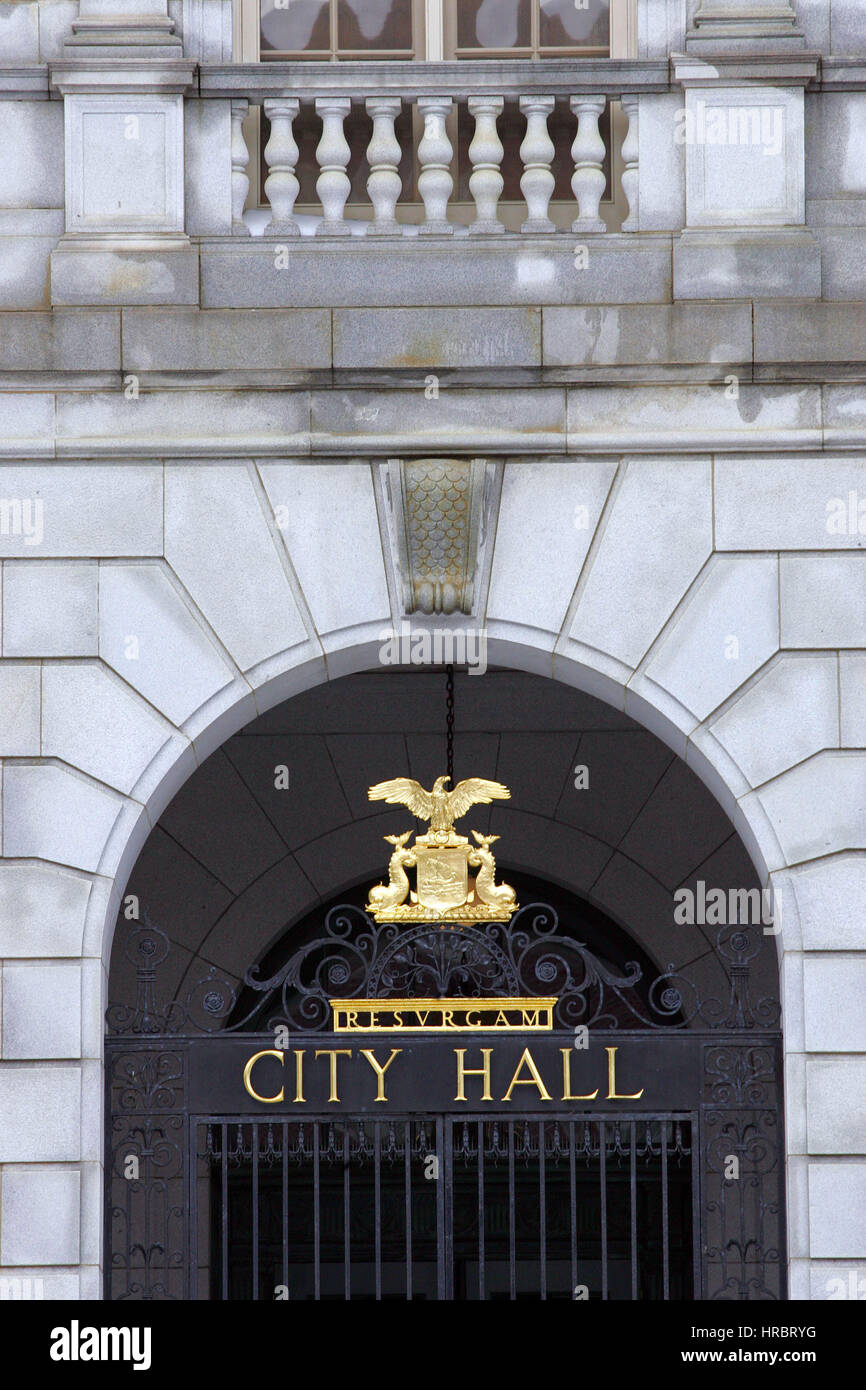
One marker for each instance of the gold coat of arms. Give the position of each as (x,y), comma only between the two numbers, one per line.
(444,889)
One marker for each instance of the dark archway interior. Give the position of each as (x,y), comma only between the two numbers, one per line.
(602,813)
(604,824)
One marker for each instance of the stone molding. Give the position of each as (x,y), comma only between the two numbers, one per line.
(744,25)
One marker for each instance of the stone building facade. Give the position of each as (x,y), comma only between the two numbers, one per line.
(623,438)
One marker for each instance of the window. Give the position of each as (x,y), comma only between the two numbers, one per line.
(435,29)
(528,28)
(329,29)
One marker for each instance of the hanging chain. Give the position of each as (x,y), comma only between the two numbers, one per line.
(449,722)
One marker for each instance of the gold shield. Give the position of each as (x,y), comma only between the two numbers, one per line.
(443,878)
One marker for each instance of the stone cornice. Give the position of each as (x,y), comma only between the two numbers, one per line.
(28,83)
(256,81)
(566,421)
(744,70)
(508,78)
(123,75)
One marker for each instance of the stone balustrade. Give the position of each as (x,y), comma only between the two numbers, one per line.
(433,91)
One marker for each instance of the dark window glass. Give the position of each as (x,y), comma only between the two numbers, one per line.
(295,26)
(563,25)
(374,24)
(494,24)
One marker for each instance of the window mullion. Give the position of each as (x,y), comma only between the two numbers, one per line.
(434,31)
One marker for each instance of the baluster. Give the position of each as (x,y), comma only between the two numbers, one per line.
(383,156)
(332,153)
(630,147)
(281,156)
(537,151)
(588,180)
(485,153)
(434,152)
(240,156)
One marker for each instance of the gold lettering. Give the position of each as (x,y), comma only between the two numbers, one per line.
(611,1078)
(501,1020)
(422,1018)
(566,1078)
(379,1069)
(332,1054)
(469,1022)
(299,1077)
(447,1018)
(533,1080)
(350,1018)
(398,1019)
(248,1085)
(530,1018)
(463,1071)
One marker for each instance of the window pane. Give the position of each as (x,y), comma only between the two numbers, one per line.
(295,26)
(372,24)
(564,25)
(493,24)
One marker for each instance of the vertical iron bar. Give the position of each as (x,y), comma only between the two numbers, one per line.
(444,1214)
(347,1218)
(255,1135)
(666,1273)
(572,1186)
(602,1156)
(192,1208)
(377,1178)
(633,1205)
(224,1223)
(542,1211)
(285,1204)
(481,1286)
(700,1198)
(407,1129)
(512,1273)
(317,1219)
(107,1287)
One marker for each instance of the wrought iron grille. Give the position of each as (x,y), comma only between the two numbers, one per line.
(205,1201)
(359,1209)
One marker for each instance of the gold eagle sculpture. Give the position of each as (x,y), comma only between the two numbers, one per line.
(440,807)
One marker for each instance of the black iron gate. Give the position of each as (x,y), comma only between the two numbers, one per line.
(466,1208)
(645,1162)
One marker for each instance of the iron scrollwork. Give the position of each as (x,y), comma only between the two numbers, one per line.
(744,1229)
(356,957)
(146,1220)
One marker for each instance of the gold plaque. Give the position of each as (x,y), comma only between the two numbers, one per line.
(442,877)
(441,859)
(443,1015)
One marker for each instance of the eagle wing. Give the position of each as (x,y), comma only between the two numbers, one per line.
(404,791)
(474,789)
